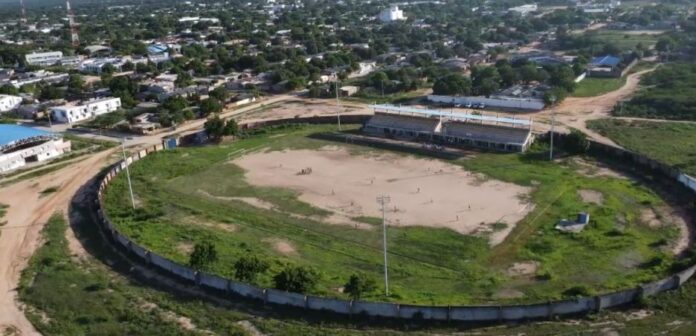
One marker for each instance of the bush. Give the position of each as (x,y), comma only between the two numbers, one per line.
(577,291)
(203,255)
(359,284)
(298,279)
(248,267)
(576,142)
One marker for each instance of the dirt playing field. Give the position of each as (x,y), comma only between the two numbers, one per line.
(423,192)
(303,108)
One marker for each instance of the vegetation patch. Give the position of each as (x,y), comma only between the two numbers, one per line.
(669,142)
(427,265)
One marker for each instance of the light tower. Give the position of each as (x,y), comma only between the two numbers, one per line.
(74,38)
(23,11)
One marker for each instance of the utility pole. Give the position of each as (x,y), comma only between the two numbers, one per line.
(383,201)
(125,160)
(552,99)
(338,106)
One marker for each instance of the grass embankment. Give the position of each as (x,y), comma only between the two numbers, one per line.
(669,92)
(73,296)
(427,265)
(669,142)
(624,41)
(592,87)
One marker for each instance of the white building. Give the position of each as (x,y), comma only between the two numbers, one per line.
(524,9)
(89,109)
(20,145)
(9,103)
(44,58)
(96,65)
(391,14)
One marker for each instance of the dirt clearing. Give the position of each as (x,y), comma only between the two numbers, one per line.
(591,196)
(423,192)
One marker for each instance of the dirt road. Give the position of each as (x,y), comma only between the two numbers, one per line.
(575,112)
(28,211)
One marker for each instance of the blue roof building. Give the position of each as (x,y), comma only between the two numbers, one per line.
(605,61)
(11,134)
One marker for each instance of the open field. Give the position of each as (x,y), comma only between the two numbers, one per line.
(626,39)
(203,197)
(301,109)
(591,87)
(670,142)
(70,294)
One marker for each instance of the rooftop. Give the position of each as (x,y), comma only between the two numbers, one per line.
(9,134)
(450,115)
(608,60)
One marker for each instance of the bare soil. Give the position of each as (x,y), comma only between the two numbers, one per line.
(281,246)
(423,192)
(25,218)
(591,196)
(304,108)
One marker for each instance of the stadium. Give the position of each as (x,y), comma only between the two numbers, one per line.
(20,145)
(479,228)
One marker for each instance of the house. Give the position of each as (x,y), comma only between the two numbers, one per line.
(86,110)
(348,90)
(9,103)
(44,58)
(604,66)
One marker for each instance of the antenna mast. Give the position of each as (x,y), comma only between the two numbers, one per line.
(74,37)
(23,18)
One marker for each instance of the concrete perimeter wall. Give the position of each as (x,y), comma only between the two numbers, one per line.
(545,310)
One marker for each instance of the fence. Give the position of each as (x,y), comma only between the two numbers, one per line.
(518,104)
(545,310)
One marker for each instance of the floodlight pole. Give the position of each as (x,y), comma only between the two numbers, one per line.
(125,161)
(383,201)
(552,99)
(338,106)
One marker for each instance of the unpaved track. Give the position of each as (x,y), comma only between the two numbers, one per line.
(25,217)
(575,112)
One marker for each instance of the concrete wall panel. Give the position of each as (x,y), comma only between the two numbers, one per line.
(424,312)
(246,290)
(618,298)
(213,281)
(328,304)
(376,309)
(475,313)
(573,306)
(285,298)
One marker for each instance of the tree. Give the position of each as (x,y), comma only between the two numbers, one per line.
(576,142)
(203,255)
(557,94)
(220,94)
(359,284)
(183,79)
(9,89)
(210,105)
(452,84)
(298,279)
(248,267)
(76,84)
(215,128)
(231,127)
(108,69)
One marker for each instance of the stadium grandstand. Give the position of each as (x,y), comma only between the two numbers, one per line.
(450,129)
(20,145)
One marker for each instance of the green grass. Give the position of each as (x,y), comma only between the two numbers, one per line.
(669,142)
(624,41)
(427,265)
(591,87)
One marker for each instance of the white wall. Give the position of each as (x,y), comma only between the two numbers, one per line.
(76,113)
(512,104)
(9,103)
(45,151)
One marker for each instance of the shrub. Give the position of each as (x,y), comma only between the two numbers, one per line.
(248,267)
(296,279)
(203,255)
(359,284)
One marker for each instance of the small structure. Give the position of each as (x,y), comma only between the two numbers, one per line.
(348,90)
(21,145)
(392,14)
(576,226)
(89,109)
(605,66)
(44,58)
(9,103)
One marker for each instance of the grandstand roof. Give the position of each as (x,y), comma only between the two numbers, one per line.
(517,136)
(9,134)
(450,115)
(610,61)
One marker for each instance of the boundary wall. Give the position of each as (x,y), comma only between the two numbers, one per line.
(473,313)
